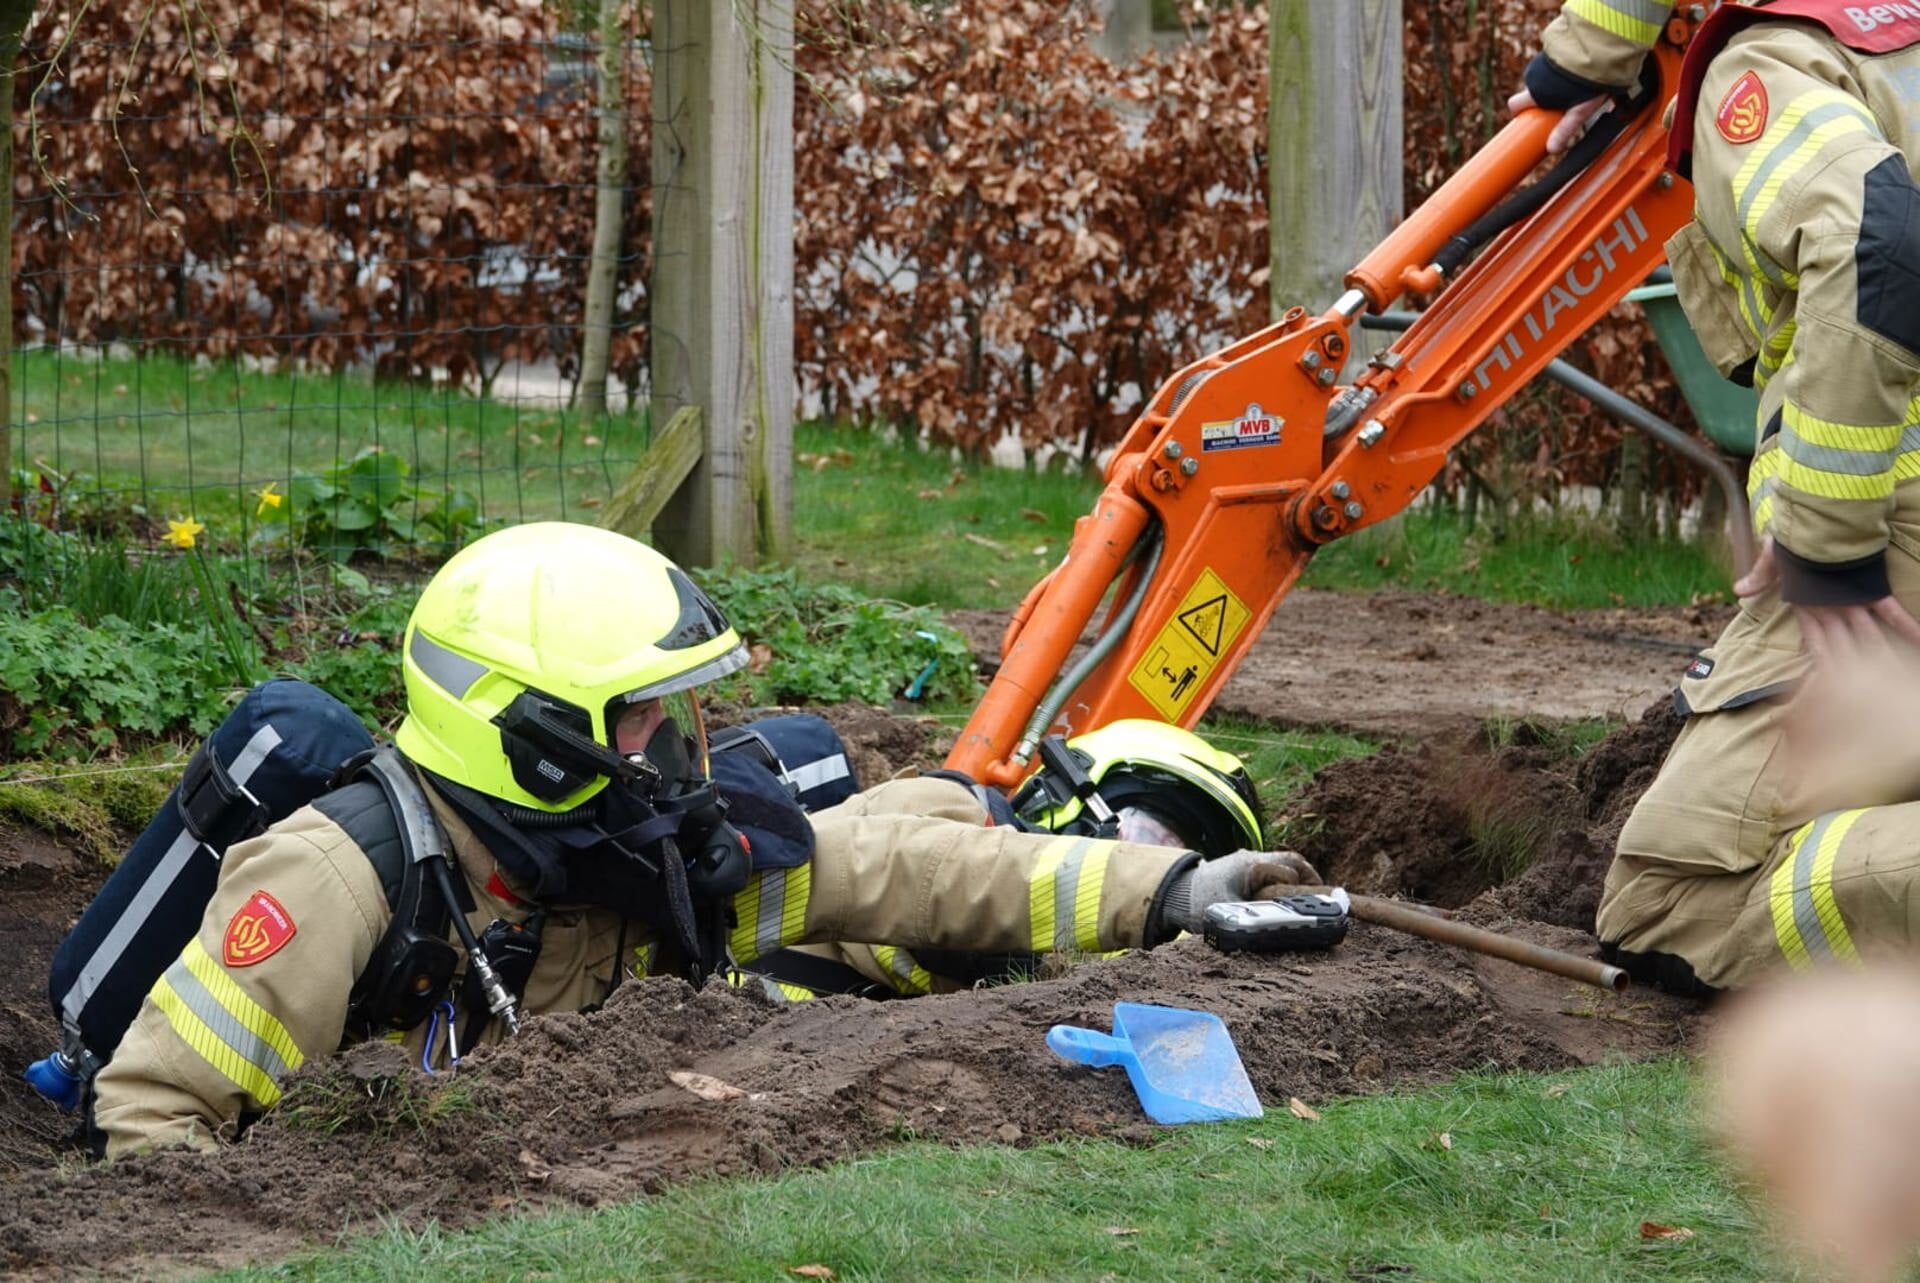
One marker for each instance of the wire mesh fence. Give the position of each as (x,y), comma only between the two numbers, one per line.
(315,273)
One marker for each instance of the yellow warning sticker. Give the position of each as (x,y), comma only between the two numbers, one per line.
(1189,646)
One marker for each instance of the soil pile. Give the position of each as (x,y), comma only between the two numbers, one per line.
(1448,822)
(581,1108)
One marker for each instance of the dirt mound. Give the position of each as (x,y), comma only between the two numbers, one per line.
(580,1109)
(1562,885)
(1412,666)
(43,888)
(882,745)
(1525,824)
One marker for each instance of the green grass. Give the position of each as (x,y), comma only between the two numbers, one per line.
(915,526)
(1511,1177)
(1568,562)
(1569,739)
(1280,761)
(94,807)
(167,437)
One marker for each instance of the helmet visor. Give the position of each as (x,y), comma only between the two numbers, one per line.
(1137,825)
(668,728)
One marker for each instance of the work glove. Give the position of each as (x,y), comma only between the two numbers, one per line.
(1244,875)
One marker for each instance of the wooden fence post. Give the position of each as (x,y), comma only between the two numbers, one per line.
(14,16)
(1334,132)
(722,286)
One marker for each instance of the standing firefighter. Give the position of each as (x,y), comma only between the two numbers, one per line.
(1797,122)
(549,800)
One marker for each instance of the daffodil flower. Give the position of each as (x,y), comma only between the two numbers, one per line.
(268,499)
(181,533)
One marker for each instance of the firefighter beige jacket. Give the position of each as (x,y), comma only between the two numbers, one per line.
(1800,272)
(264,986)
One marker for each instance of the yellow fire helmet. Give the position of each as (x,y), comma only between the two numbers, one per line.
(1203,795)
(526,647)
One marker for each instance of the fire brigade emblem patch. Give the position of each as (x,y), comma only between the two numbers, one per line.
(1743,112)
(257,931)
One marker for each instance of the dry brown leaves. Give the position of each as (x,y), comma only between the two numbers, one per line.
(338,181)
(996,230)
(1006,233)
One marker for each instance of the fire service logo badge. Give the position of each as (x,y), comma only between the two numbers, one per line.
(1743,112)
(257,931)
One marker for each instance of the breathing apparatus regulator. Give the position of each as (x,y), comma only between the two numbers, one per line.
(1137,780)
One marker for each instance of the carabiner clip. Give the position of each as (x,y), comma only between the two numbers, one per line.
(442,1011)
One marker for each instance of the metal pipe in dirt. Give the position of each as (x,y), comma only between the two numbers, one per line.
(1430,925)
(1400,917)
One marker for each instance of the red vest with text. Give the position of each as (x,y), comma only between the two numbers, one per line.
(1870,28)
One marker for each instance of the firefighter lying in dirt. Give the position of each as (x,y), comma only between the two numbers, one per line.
(553,727)
(1801,273)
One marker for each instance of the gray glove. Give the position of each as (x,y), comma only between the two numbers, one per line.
(1244,875)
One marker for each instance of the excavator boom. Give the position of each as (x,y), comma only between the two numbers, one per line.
(1247,461)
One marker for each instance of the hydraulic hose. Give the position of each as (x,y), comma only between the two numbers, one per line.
(1523,203)
(1154,541)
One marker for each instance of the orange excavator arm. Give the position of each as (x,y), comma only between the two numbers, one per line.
(1249,460)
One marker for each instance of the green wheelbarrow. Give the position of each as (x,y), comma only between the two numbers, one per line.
(1724,410)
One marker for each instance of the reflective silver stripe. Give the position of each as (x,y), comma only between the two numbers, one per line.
(773,900)
(1785,148)
(1826,458)
(155,888)
(1636,20)
(1654,11)
(451,672)
(248,1045)
(824,771)
(1805,917)
(1066,887)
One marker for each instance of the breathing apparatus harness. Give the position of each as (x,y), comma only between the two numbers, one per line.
(412,966)
(653,846)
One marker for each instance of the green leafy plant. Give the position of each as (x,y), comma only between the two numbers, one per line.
(64,684)
(827,643)
(359,662)
(369,503)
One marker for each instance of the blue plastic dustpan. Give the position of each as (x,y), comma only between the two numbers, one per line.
(1182,1063)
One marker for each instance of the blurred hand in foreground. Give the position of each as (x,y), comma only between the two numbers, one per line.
(1818,624)
(1853,731)
(1814,1092)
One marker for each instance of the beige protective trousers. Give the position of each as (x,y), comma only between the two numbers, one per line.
(1723,866)
(1803,267)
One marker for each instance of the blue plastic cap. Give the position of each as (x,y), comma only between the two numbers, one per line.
(54,1078)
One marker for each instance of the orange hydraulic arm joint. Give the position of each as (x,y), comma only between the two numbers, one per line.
(1247,461)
